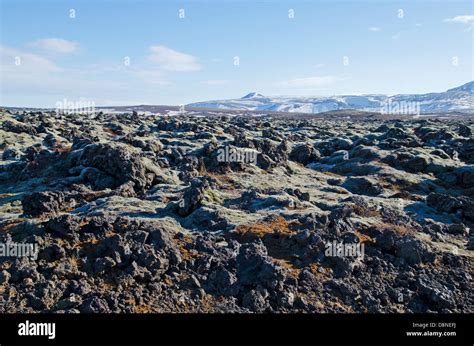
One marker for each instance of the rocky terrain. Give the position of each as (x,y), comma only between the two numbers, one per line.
(140,213)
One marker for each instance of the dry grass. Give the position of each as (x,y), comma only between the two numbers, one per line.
(6,195)
(401,230)
(408,196)
(140,308)
(274,234)
(89,197)
(290,268)
(144,309)
(279,227)
(168,282)
(364,238)
(223,180)
(90,242)
(8,225)
(365,212)
(110,131)
(107,286)
(62,149)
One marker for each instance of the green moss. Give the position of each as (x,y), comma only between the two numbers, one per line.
(212,196)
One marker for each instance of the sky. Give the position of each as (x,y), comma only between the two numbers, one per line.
(176,52)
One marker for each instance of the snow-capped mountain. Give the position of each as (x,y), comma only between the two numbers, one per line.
(455,99)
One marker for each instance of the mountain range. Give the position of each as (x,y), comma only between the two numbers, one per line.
(459,99)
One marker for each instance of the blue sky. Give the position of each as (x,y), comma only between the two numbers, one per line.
(145,52)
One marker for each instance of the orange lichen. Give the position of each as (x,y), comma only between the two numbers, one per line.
(185,253)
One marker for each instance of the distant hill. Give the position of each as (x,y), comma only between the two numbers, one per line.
(459,99)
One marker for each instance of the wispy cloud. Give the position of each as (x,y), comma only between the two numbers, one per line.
(465,19)
(24,73)
(20,62)
(24,70)
(397,36)
(375,28)
(56,45)
(310,82)
(171,60)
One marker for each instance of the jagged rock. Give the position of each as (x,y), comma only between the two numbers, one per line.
(254,301)
(18,127)
(67,303)
(39,203)
(435,293)
(64,225)
(11,154)
(221,281)
(118,163)
(448,204)
(52,253)
(94,304)
(304,153)
(410,250)
(254,267)
(192,197)
(4,277)
(464,131)
(363,186)
(271,155)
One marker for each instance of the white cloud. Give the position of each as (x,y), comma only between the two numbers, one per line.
(374,28)
(466,19)
(216,82)
(310,82)
(170,60)
(37,80)
(56,45)
(18,62)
